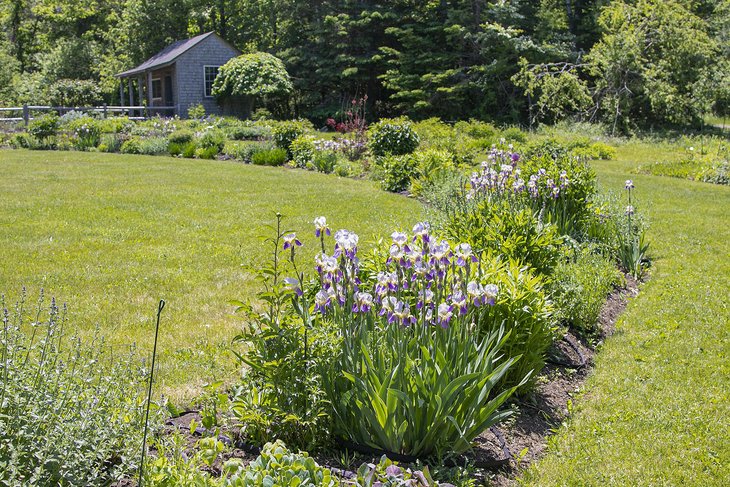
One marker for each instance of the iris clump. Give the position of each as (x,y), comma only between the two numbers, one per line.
(412,374)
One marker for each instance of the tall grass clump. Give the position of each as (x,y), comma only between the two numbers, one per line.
(70,413)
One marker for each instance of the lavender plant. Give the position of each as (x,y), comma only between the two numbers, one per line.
(68,414)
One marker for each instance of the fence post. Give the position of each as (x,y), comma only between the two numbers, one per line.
(26,114)
(105,115)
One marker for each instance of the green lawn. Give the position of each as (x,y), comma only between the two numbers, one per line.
(112,234)
(656,410)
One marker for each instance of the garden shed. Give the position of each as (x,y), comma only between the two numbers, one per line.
(178,77)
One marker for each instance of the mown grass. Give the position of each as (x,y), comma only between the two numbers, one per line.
(656,409)
(112,234)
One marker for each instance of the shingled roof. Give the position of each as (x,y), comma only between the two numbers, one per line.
(166,56)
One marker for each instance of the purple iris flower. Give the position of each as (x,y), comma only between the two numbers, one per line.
(320,227)
(490,292)
(292,284)
(445,312)
(363,303)
(346,242)
(323,299)
(463,253)
(290,240)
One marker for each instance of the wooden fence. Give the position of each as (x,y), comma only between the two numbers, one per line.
(25,113)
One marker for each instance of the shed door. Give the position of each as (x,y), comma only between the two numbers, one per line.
(168,91)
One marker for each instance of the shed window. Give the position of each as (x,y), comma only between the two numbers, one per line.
(210,72)
(157,88)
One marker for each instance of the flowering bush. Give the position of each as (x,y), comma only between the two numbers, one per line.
(86,132)
(392,137)
(560,190)
(412,376)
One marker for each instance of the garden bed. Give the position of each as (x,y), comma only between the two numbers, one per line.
(500,453)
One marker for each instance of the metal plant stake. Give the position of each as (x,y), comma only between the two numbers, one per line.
(160,307)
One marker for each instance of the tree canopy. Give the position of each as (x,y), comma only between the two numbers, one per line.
(257,75)
(627,62)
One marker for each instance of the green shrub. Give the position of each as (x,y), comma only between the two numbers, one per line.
(244,151)
(153,146)
(243,131)
(23,140)
(115,125)
(397,172)
(286,132)
(550,148)
(498,227)
(184,150)
(212,139)
(477,130)
(206,152)
(579,288)
(44,127)
(346,168)
(132,145)
(603,151)
(524,310)
(71,413)
(269,157)
(75,93)
(325,161)
(110,143)
(514,135)
(431,165)
(302,151)
(435,134)
(181,136)
(392,137)
(196,111)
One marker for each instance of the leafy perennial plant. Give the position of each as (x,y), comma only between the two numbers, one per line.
(413,374)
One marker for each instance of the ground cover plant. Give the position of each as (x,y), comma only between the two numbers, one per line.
(121,231)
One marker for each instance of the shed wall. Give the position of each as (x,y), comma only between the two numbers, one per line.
(212,51)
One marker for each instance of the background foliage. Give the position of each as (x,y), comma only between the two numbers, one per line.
(631,63)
